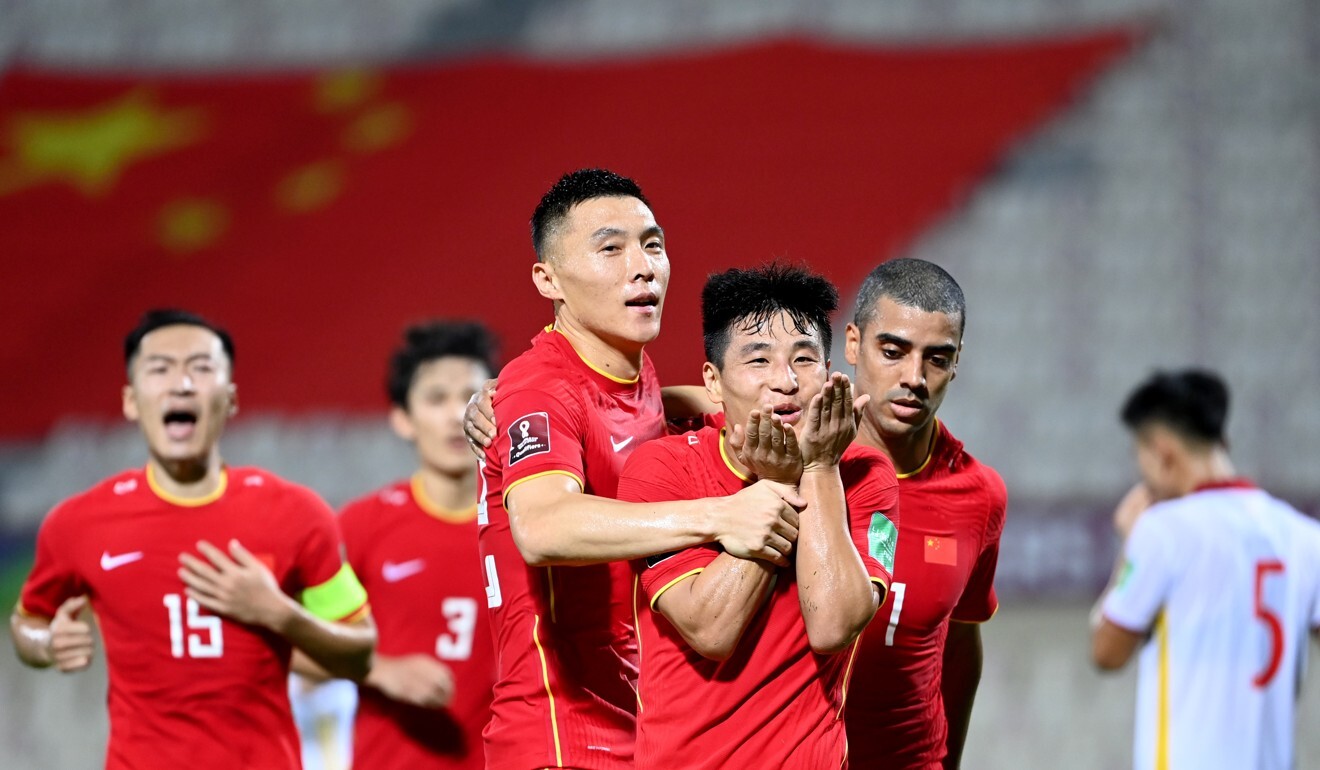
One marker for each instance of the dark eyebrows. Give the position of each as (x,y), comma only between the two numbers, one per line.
(903,342)
(753,347)
(612,232)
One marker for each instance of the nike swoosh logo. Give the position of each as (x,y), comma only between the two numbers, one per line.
(619,445)
(109,562)
(393,573)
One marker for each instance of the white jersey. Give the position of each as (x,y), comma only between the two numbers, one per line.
(1228,580)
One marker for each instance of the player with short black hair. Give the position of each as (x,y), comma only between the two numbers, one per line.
(569,411)
(766,685)
(1218,585)
(427,698)
(919,665)
(197,635)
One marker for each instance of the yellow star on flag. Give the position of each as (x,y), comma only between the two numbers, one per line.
(90,149)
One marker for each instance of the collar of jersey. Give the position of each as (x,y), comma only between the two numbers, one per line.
(188,502)
(929,454)
(436,510)
(1238,482)
(724,455)
(591,366)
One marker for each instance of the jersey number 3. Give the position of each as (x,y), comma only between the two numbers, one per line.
(213,646)
(1271,620)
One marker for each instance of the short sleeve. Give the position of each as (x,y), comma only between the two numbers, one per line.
(871,490)
(329,587)
(654,474)
(1144,578)
(53,579)
(979,602)
(540,433)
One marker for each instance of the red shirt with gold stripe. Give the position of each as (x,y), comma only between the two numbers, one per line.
(419,564)
(189,688)
(953,514)
(564,692)
(774,703)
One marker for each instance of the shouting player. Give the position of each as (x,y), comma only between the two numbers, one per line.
(920,663)
(414,543)
(1219,586)
(773,646)
(570,411)
(192,568)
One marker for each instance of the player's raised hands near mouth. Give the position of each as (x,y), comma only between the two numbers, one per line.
(830,423)
(767,446)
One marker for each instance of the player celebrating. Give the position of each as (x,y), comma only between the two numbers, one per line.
(1219,581)
(570,411)
(766,682)
(191,567)
(919,666)
(414,543)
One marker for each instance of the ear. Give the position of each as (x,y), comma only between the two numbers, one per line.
(545,280)
(233,399)
(852,340)
(130,405)
(710,375)
(953,368)
(402,424)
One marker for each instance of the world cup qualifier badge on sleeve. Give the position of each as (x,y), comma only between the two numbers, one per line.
(529,435)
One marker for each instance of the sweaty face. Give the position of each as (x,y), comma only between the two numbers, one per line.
(180,392)
(905,359)
(610,270)
(772,364)
(434,420)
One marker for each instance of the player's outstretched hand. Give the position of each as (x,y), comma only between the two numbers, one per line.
(418,680)
(760,522)
(235,584)
(768,447)
(830,423)
(479,419)
(71,640)
(1130,508)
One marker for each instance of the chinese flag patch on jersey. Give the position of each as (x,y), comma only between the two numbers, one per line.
(941,550)
(529,435)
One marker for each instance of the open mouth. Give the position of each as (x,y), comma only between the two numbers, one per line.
(646,302)
(789,413)
(180,424)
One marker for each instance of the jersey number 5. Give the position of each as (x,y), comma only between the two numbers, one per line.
(212,647)
(1271,620)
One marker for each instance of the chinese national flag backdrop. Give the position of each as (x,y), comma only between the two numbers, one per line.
(315,214)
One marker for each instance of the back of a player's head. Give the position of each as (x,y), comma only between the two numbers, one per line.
(912,283)
(571,189)
(1192,403)
(752,296)
(158,318)
(428,341)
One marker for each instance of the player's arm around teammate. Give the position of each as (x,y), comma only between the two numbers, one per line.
(237,585)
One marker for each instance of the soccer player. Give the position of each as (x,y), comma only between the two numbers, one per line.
(745,664)
(920,663)
(192,568)
(414,543)
(1218,586)
(570,411)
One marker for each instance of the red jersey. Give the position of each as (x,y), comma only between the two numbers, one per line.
(953,514)
(419,565)
(564,692)
(187,688)
(774,703)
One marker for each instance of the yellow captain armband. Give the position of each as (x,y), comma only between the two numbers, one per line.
(338,598)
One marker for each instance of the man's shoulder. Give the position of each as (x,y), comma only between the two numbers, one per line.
(860,460)
(250,484)
(681,448)
(391,497)
(123,487)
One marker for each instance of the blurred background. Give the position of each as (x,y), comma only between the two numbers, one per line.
(1118,185)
